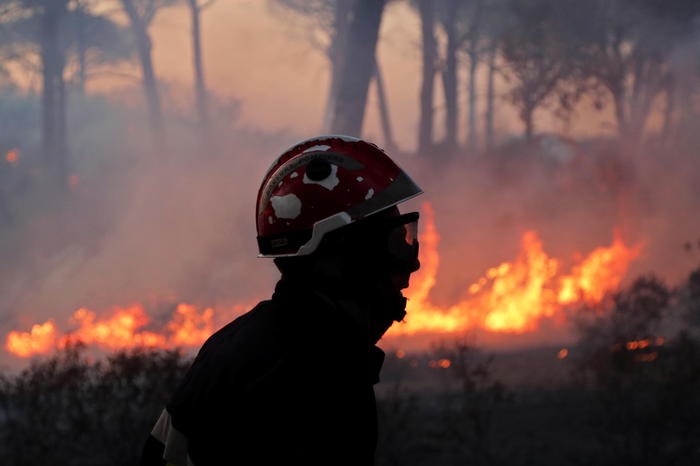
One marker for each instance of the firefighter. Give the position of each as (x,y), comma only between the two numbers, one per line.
(291,381)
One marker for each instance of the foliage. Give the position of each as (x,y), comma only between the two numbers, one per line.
(537,54)
(76,411)
(319,18)
(643,386)
(96,37)
(472,402)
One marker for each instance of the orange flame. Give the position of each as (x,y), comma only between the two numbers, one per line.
(12,157)
(513,296)
(119,331)
(599,273)
(188,327)
(41,339)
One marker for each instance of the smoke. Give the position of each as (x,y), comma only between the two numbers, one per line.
(155,227)
(576,199)
(177,224)
(139,225)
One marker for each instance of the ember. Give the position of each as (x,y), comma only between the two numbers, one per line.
(12,157)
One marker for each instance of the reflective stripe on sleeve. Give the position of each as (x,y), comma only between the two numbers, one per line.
(175,442)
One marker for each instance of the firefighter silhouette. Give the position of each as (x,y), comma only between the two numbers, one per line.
(291,381)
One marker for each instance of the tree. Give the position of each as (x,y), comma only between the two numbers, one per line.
(487,22)
(490,95)
(328,31)
(358,67)
(53,101)
(472,43)
(94,40)
(429,47)
(58,32)
(42,23)
(472,28)
(200,88)
(384,116)
(448,16)
(625,48)
(141,14)
(536,54)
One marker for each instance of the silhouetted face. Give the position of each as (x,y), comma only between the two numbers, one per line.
(379,255)
(369,263)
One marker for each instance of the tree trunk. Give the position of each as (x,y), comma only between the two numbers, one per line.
(384,109)
(81,46)
(526,115)
(472,142)
(644,97)
(336,54)
(150,84)
(670,109)
(449,77)
(358,67)
(200,88)
(425,125)
(53,98)
(490,91)
(620,113)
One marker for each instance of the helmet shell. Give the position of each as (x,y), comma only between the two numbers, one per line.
(322,184)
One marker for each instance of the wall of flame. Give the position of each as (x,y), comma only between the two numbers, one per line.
(512,297)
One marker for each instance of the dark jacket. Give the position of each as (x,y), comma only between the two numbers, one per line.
(289,381)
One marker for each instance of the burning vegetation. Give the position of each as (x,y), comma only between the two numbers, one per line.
(571,124)
(512,297)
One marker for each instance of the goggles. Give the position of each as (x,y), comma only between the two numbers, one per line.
(401,236)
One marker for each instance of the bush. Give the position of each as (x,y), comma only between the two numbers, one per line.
(643,387)
(77,412)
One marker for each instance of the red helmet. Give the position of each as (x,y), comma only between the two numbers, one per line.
(322,184)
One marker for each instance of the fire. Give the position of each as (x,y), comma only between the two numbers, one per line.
(510,297)
(513,296)
(121,330)
(118,331)
(189,327)
(12,157)
(41,339)
(634,345)
(600,272)
(442,363)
